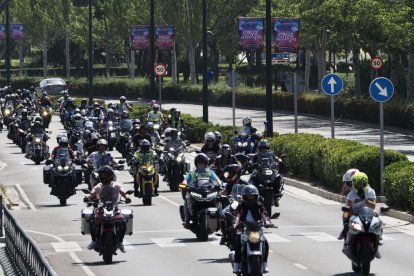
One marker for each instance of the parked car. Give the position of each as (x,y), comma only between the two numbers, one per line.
(53,86)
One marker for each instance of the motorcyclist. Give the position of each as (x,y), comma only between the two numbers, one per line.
(173,141)
(145,155)
(83,104)
(123,105)
(90,141)
(107,190)
(45,100)
(110,115)
(217,140)
(201,171)
(209,146)
(69,104)
(124,115)
(155,116)
(174,119)
(101,157)
(155,136)
(37,129)
(97,112)
(247,126)
(224,159)
(140,133)
(63,143)
(250,202)
(361,195)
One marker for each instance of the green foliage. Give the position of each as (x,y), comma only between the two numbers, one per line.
(399,185)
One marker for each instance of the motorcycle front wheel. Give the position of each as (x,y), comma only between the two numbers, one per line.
(147,197)
(107,248)
(365,257)
(256,265)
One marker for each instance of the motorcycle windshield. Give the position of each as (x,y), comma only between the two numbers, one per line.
(366,214)
(109,194)
(62,157)
(265,163)
(125,125)
(236,192)
(251,223)
(203,184)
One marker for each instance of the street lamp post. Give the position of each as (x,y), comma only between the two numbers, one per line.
(7,57)
(269,111)
(152,47)
(205,87)
(90,55)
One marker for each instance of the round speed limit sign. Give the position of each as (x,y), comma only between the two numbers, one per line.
(376,63)
(160,69)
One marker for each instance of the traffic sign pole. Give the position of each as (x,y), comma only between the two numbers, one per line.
(159,90)
(382,148)
(233,98)
(332,117)
(332,85)
(295,99)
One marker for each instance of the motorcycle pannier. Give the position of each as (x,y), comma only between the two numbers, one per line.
(46,174)
(129,216)
(86,215)
(78,172)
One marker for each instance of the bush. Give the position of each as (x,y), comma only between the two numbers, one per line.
(399,185)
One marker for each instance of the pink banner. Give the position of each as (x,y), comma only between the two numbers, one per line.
(164,37)
(2,31)
(286,34)
(251,31)
(140,39)
(17,31)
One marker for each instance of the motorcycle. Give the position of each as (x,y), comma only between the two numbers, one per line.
(107,221)
(8,114)
(244,144)
(91,173)
(125,126)
(148,176)
(63,177)
(110,135)
(46,113)
(201,199)
(21,133)
(38,150)
(68,118)
(253,248)
(177,166)
(365,229)
(270,185)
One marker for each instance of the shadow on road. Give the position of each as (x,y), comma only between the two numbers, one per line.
(53,205)
(212,261)
(100,263)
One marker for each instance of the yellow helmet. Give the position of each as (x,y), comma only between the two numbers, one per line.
(359,181)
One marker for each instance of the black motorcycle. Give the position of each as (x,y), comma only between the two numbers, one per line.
(177,166)
(38,151)
(63,177)
(201,199)
(125,126)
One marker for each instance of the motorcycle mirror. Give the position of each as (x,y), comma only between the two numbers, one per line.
(48,162)
(129,192)
(86,191)
(345,208)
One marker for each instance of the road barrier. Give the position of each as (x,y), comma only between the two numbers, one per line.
(23,250)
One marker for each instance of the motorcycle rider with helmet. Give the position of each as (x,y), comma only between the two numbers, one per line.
(201,170)
(63,142)
(123,105)
(250,202)
(45,100)
(155,136)
(346,188)
(172,141)
(217,140)
(110,115)
(107,190)
(101,157)
(174,119)
(37,129)
(145,155)
(361,195)
(224,159)
(90,141)
(155,116)
(210,147)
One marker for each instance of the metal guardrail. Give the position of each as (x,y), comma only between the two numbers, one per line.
(23,250)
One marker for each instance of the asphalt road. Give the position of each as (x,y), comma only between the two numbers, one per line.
(304,244)
(283,122)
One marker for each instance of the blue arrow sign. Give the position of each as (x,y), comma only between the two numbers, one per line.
(332,84)
(381,89)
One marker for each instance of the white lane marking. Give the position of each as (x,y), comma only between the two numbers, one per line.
(307,196)
(135,232)
(66,246)
(128,245)
(300,266)
(167,242)
(275,238)
(308,226)
(73,255)
(169,201)
(24,197)
(319,236)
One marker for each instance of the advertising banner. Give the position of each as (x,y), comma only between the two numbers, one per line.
(17,31)
(251,31)
(286,34)
(164,37)
(140,39)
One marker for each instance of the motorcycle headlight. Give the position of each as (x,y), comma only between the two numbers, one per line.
(254,237)
(7,112)
(37,140)
(196,195)
(267,172)
(212,195)
(239,144)
(60,169)
(66,168)
(110,128)
(245,144)
(357,227)
(179,159)
(44,113)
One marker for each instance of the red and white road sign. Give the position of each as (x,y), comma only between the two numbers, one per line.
(160,70)
(376,63)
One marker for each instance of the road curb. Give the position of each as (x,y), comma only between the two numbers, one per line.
(339,198)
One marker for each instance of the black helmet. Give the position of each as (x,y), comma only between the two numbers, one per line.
(172,110)
(144,145)
(107,170)
(37,124)
(84,101)
(87,134)
(263,145)
(38,119)
(225,148)
(63,142)
(136,122)
(44,93)
(122,99)
(173,133)
(124,115)
(24,113)
(200,156)
(250,190)
(218,135)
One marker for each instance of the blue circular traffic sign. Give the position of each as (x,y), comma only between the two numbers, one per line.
(332,84)
(381,89)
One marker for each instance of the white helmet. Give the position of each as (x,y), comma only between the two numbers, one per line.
(247,120)
(209,136)
(347,177)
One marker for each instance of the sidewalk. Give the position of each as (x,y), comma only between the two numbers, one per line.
(7,266)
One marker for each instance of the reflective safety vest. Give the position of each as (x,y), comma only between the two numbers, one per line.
(154,117)
(195,176)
